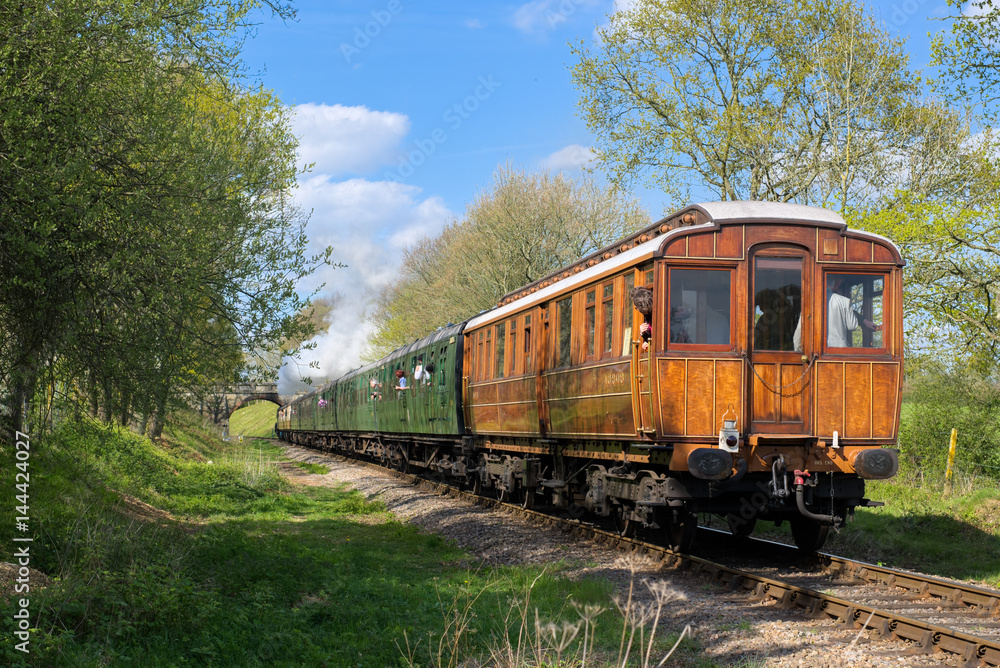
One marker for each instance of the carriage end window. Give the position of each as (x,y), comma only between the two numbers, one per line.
(854,310)
(700,309)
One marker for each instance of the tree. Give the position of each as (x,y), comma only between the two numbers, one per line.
(950,236)
(519,229)
(147,236)
(810,102)
(968,55)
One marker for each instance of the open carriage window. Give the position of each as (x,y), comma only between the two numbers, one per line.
(854,310)
(700,306)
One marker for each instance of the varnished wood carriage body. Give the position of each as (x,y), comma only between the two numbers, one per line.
(741,330)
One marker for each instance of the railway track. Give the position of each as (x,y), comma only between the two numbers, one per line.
(931,615)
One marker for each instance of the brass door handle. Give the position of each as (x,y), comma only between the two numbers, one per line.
(805,358)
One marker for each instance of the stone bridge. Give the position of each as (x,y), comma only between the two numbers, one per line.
(226,400)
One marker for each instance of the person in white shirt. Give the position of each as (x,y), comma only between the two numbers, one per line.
(841,319)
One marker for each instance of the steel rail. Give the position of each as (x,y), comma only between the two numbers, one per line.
(926,637)
(928,586)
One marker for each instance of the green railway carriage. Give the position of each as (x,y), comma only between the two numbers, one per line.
(370,412)
(429,404)
(368,400)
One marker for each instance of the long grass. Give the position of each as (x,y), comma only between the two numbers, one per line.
(521,636)
(192,551)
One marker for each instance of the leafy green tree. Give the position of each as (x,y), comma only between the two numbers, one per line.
(968,54)
(811,102)
(147,236)
(522,227)
(950,235)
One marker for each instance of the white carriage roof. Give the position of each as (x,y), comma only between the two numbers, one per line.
(733,211)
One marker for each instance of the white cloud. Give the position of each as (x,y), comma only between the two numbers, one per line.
(369,224)
(347,140)
(571,157)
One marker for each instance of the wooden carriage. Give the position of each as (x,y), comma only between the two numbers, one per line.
(775,337)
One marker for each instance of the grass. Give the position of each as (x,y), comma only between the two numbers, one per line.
(313,468)
(919,527)
(255,420)
(191,551)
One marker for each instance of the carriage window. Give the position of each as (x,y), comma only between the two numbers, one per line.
(489,355)
(777,304)
(480,364)
(608,318)
(513,347)
(527,344)
(627,314)
(699,306)
(591,313)
(501,342)
(854,309)
(565,310)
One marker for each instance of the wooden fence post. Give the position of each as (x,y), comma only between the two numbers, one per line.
(949,474)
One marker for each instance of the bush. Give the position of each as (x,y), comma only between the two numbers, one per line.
(939,399)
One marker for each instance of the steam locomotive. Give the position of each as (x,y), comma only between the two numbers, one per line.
(742,359)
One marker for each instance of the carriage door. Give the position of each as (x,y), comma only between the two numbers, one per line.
(780,354)
(641,366)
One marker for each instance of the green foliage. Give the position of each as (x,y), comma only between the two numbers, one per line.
(318,469)
(811,102)
(939,399)
(144,205)
(968,58)
(518,230)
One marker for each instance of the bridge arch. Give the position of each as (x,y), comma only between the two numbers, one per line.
(273,398)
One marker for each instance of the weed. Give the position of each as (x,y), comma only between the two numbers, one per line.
(522,636)
(317,469)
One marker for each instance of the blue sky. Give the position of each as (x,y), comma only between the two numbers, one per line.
(407,109)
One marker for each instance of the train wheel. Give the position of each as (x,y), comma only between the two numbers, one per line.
(809,535)
(401,462)
(739,526)
(504,495)
(475,484)
(681,527)
(625,524)
(527,497)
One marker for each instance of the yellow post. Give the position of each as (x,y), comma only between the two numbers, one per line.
(951,462)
